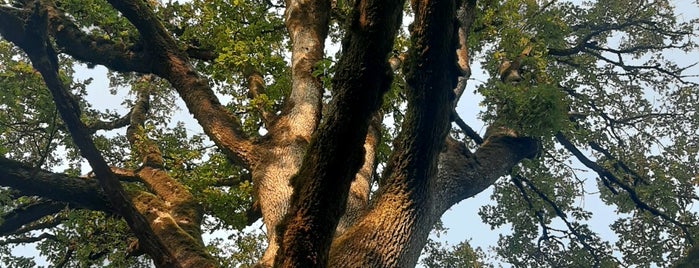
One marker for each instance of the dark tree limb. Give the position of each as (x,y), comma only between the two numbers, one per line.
(109,125)
(18,217)
(33,39)
(336,152)
(580,238)
(27,239)
(95,49)
(470,173)
(78,192)
(472,134)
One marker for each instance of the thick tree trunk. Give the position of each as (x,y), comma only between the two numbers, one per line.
(393,233)
(283,149)
(336,152)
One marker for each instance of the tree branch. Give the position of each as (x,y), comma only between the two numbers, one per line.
(336,152)
(18,217)
(35,42)
(27,240)
(173,64)
(606,174)
(463,174)
(109,125)
(466,128)
(94,49)
(79,193)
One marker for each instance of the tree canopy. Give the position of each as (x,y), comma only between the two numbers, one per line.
(335,123)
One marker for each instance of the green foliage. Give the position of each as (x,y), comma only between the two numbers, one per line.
(240,249)
(438,254)
(536,111)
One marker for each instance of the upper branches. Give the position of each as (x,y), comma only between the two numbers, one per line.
(173,64)
(94,50)
(610,180)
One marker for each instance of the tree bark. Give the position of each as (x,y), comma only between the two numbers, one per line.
(336,152)
(394,231)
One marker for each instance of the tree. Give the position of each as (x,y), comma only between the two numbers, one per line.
(349,159)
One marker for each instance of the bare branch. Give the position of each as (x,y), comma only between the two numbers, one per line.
(27,240)
(109,125)
(466,128)
(606,174)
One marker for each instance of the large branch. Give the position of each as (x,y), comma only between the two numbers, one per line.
(171,194)
(308,23)
(174,65)
(15,219)
(95,49)
(336,150)
(402,206)
(283,148)
(463,174)
(358,199)
(78,192)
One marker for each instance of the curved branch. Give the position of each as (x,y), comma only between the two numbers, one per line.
(27,240)
(94,49)
(466,128)
(34,41)
(174,65)
(463,174)
(109,125)
(518,179)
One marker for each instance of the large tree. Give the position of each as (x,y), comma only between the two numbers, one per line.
(349,159)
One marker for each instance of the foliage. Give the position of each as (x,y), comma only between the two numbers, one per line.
(602,90)
(438,254)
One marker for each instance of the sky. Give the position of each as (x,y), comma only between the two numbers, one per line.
(462,220)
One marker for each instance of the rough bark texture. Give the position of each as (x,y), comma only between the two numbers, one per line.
(336,150)
(284,147)
(311,178)
(76,191)
(394,230)
(358,198)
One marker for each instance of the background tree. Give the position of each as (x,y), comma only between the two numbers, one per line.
(349,159)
